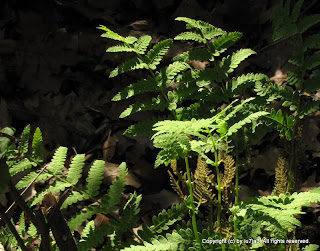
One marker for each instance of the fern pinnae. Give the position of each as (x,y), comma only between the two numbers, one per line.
(155,55)
(129,65)
(37,146)
(24,140)
(95,177)
(75,169)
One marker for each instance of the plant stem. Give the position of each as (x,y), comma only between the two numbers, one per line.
(12,229)
(236,199)
(193,209)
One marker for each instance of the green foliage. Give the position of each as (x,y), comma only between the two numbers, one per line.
(272,216)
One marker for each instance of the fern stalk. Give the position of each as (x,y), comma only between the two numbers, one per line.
(236,199)
(193,209)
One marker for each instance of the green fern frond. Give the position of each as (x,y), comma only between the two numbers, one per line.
(308,108)
(112,198)
(95,177)
(284,122)
(155,55)
(225,41)
(141,86)
(130,212)
(170,72)
(311,247)
(82,216)
(121,48)
(190,35)
(73,198)
(311,42)
(29,178)
(308,21)
(75,170)
(22,225)
(173,241)
(130,65)
(94,237)
(142,44)
(110,34)
(296,11)
(313,83)
(312,61)
(229,63)
(22,165)
(191,23)
(144,128)
(200,54)
(24,140)
(37,146)
(252,117)
(168,217)
(57,163)
(247,79)
(156,104)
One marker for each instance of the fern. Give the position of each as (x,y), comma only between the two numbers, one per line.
(37,146)
(95,177)
(155,55)
(129,65)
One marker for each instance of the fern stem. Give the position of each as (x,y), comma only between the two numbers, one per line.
(236,199)
(193,209)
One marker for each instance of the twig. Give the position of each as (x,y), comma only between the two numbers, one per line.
(12,229)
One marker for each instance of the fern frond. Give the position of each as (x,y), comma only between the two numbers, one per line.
(156,104)
(225,41)
(252,117)
(37,146)
(55,188)
(308,21)
(57,163)
(170,72)
(190,35)
(75,170)
(311,247)
(22,225)
(296,11)
(200,54)
(280,178)
(229,63)
(229,171)
(189,21)
(142,44)
(73,198)
(82,216)
(308,108)
(110,34)
(284,122)
(312,61)
(144,128)
(29,178)
(94,237)
(141,86)
(130,212)
(173,241)
(129,65)
(203,182)
(112,198)
(311,42)
(24,140)
(121,48)
(22,165)
(239,84)
(155,55)
(168,217)
(95,177)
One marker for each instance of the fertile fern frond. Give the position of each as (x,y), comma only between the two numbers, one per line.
(281,178)
(155,55)
(156,104)
(129,65)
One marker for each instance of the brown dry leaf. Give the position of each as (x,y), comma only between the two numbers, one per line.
(101,219)
(109,146)
(279,77)
(112,171)
(140,25)
(200,65)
